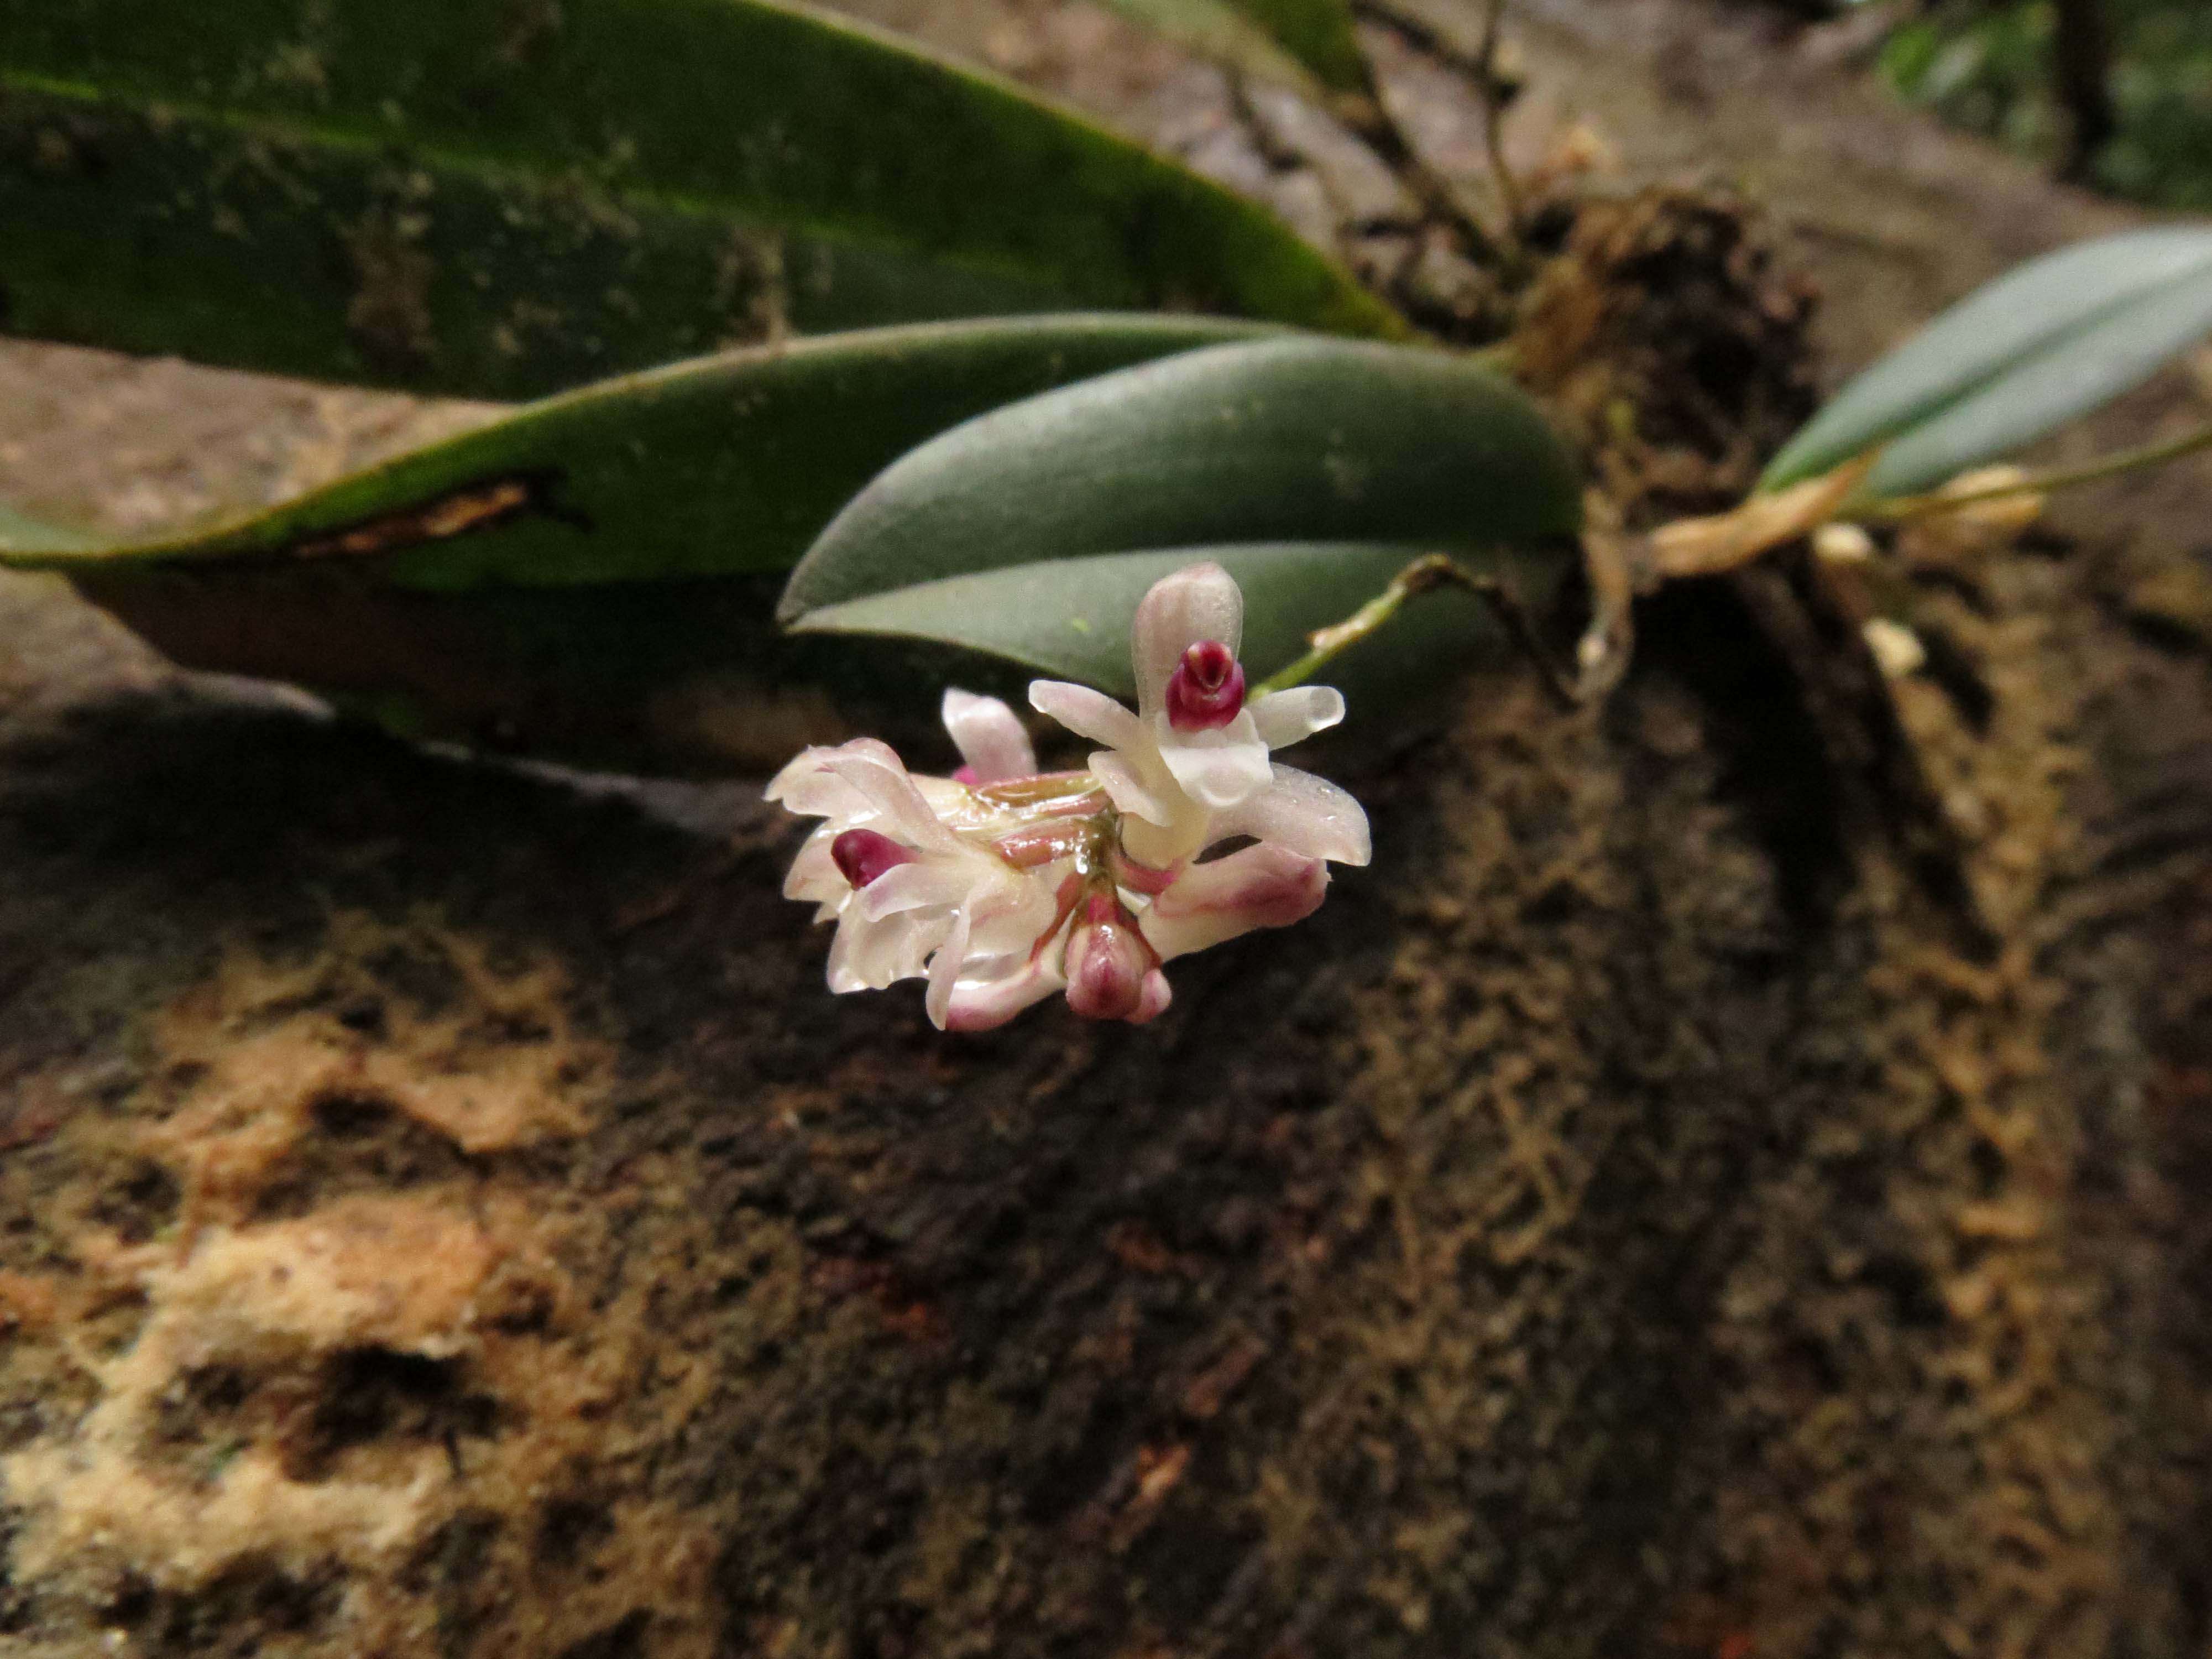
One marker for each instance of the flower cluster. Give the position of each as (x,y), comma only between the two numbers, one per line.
(1002,885)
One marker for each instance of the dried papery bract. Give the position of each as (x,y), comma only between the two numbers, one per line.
(1002,885)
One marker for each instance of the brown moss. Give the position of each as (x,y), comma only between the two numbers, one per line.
(299,1395)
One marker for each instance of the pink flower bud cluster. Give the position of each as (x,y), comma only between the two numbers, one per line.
(1002,885)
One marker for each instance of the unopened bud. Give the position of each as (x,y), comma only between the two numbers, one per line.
(1112,972)
(1206,689)
(861,855)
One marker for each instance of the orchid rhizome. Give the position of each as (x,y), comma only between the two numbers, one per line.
(1002,885)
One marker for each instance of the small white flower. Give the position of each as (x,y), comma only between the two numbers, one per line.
(908,892)
(1194,749)
(1003,886)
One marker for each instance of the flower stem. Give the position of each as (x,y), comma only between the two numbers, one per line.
(1425,575)
(1897,509)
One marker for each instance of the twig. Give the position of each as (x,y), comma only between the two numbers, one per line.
(1369,116)
(1479,65)
(1899,510)
(1430,574)
(1421,32)
(1493,120)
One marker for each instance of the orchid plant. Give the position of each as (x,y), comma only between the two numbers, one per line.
(1003,884)
(1026,394)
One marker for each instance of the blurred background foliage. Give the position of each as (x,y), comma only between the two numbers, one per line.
(2116,94)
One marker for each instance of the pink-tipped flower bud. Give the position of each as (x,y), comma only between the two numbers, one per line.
(1206,689)
(861,855)
(1112,973)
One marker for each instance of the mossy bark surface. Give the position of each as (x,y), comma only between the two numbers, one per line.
(1654,1209)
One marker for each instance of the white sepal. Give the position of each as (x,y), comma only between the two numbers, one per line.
(1287,717)
(989,736)
(1200,602)
(1086,713)
(1303,814)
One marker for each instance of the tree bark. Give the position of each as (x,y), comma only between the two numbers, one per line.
(1649,1211)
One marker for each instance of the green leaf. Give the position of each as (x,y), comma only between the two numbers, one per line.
(1307,44)
(1314,470)
(2016,359)
(595,576)
(1295,439)
(1069,618)
(501,200)
(730,464)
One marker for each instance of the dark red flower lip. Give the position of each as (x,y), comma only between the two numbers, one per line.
(863,856)
(1206,689)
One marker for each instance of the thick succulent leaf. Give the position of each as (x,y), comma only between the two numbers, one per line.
(1069,618)
(2016,359)
(594,578)
(731,464)
(1295,439)
(504,200)
(1306,44)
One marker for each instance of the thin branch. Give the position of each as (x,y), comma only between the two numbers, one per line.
(1493,119)
(1899,510)
(1430,574)
(1479,65)
(1421,34)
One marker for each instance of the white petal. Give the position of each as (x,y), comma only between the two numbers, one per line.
(1086,713)
(844,975)
(1302,813)
(1261,886)
(867,955)
(1287,717)
(882,778)
(914,938)
(982,1004)
(989,736)
(945,969)
(1215,769)
(1128,792)
(1200,602)
(814,874)
(1006,916)
(914,886)
(809,787)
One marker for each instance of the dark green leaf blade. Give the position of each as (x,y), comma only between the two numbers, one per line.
(2020,357)
(504,200)
(1069,618)
(594,578)
(1296,439)
(729,464)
